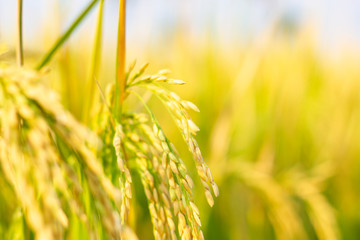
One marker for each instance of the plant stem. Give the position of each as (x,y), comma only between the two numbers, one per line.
(19,50)
(66,35)
(120,56)
(95,63)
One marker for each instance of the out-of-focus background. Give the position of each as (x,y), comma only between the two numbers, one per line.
(278,85)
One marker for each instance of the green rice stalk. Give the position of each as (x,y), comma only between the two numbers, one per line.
(66,35)
(95,63)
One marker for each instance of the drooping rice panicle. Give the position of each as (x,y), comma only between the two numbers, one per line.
(188,128)
(138,145)
(39,139)
(125,179)
(179,188)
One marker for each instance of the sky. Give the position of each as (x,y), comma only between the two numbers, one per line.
(337,23)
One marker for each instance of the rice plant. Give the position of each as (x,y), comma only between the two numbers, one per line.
(93,159)
(67,180)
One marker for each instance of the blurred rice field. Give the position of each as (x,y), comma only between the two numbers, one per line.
(280,130)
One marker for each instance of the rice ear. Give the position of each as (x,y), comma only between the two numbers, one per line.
(33,126)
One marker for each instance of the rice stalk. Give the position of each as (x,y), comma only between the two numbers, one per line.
(281,210)
(139,144)
(19,52)
(120,60)
(62,39)
(43,148)
(280,199)
(95,63)
(308,188)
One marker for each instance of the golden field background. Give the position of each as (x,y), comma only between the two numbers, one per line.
(279,120)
